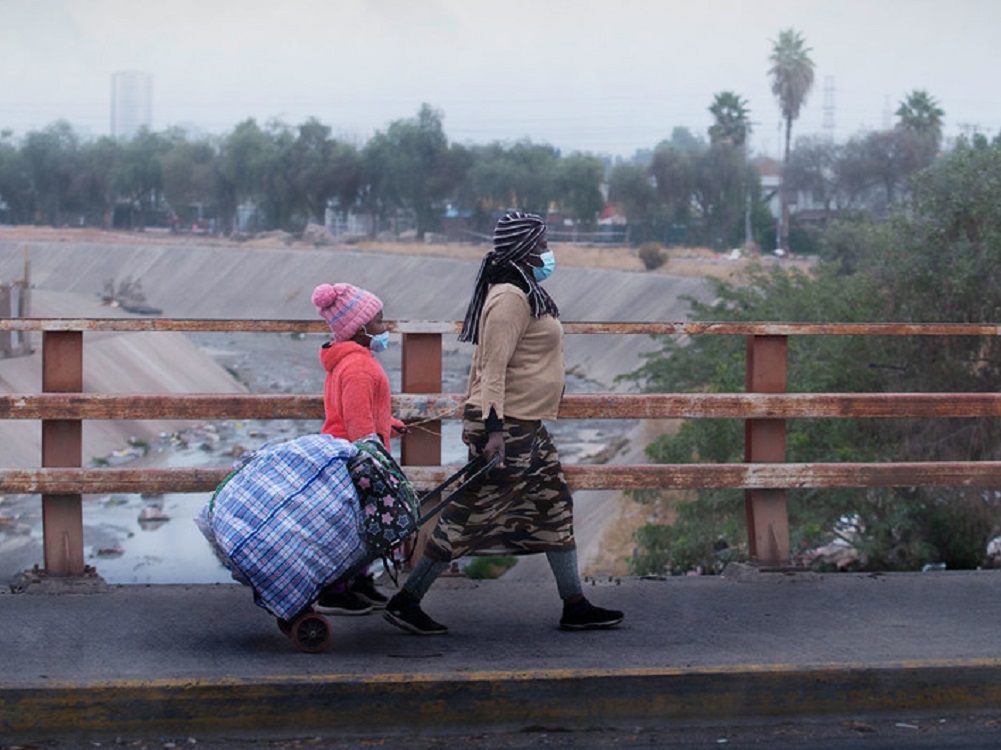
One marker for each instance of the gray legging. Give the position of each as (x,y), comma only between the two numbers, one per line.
(563,563)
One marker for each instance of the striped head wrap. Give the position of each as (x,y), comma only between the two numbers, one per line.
(515,236)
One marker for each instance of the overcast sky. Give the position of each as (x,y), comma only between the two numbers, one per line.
(582,75)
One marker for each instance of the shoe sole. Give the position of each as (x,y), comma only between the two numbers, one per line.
(591,625)
(372,602)
(337,611)
(404,625)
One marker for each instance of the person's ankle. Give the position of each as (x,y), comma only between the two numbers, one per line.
(405,597)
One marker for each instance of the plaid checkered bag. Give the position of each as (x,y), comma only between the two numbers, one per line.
(388,501)
(286,522)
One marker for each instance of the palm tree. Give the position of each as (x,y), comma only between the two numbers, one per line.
(731,126)
(730,114)
(920,114)
(792,79)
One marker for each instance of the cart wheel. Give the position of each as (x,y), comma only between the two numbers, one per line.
(310,633)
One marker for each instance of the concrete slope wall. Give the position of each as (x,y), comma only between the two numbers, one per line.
(210,282)
(159,362)
(222,282)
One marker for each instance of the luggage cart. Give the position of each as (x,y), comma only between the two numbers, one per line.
(291,509)
(310,631)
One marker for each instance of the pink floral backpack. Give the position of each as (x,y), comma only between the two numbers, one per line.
(388,502)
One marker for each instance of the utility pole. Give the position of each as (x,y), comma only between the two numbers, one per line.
(748,233)
(748,229)
(829,108)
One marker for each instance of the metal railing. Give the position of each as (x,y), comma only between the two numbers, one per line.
(62,406)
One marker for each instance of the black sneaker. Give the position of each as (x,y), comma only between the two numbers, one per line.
(364,588)
(343,603)
(404,611)
(583,615)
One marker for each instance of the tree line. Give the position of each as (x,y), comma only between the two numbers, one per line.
(688,189)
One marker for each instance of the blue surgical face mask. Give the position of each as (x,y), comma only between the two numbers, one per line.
(548,264)
(379,343)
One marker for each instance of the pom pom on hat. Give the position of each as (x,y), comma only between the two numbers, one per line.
(346,308)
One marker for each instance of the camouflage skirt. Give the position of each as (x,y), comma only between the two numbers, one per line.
(525,507)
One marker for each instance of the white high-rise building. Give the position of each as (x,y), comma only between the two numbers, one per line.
(131,102)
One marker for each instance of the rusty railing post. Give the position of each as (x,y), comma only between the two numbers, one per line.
(765,442)
(421,373)
(62,445)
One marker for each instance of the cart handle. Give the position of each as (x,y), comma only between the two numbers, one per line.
(486,467)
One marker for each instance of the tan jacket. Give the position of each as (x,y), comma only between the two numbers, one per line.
(518,364)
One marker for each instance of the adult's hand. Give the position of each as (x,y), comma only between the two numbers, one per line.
(495,447)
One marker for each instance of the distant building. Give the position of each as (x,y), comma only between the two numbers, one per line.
(131,102)
(803,204)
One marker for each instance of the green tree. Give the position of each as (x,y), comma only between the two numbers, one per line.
(710,529)
(813,168)
(920,127)
(50,159)
(937,259)
(579,187)
(526,176)
(138,175)
(94,183)
(190,177)
(943,254)
(792,78)
(313,171)
(920,113)
(379,191)
(674,174)
(874,170)
(346,176)
(630,185)
(15,182)
(490,182)
(281,203)
(730,119)
(674,170)
(683,140)
(718,195)
(536,174)
(729,131)
(242,169)
(309,168)
(411,166)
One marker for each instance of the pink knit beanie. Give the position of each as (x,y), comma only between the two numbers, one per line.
(346,308)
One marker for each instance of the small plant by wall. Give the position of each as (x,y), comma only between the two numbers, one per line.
(652,255)
(490,566)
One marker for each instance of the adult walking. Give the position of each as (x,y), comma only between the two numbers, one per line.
(516,381)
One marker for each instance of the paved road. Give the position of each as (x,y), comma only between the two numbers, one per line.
(204,661)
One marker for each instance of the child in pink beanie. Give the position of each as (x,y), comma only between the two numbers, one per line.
(356,403)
